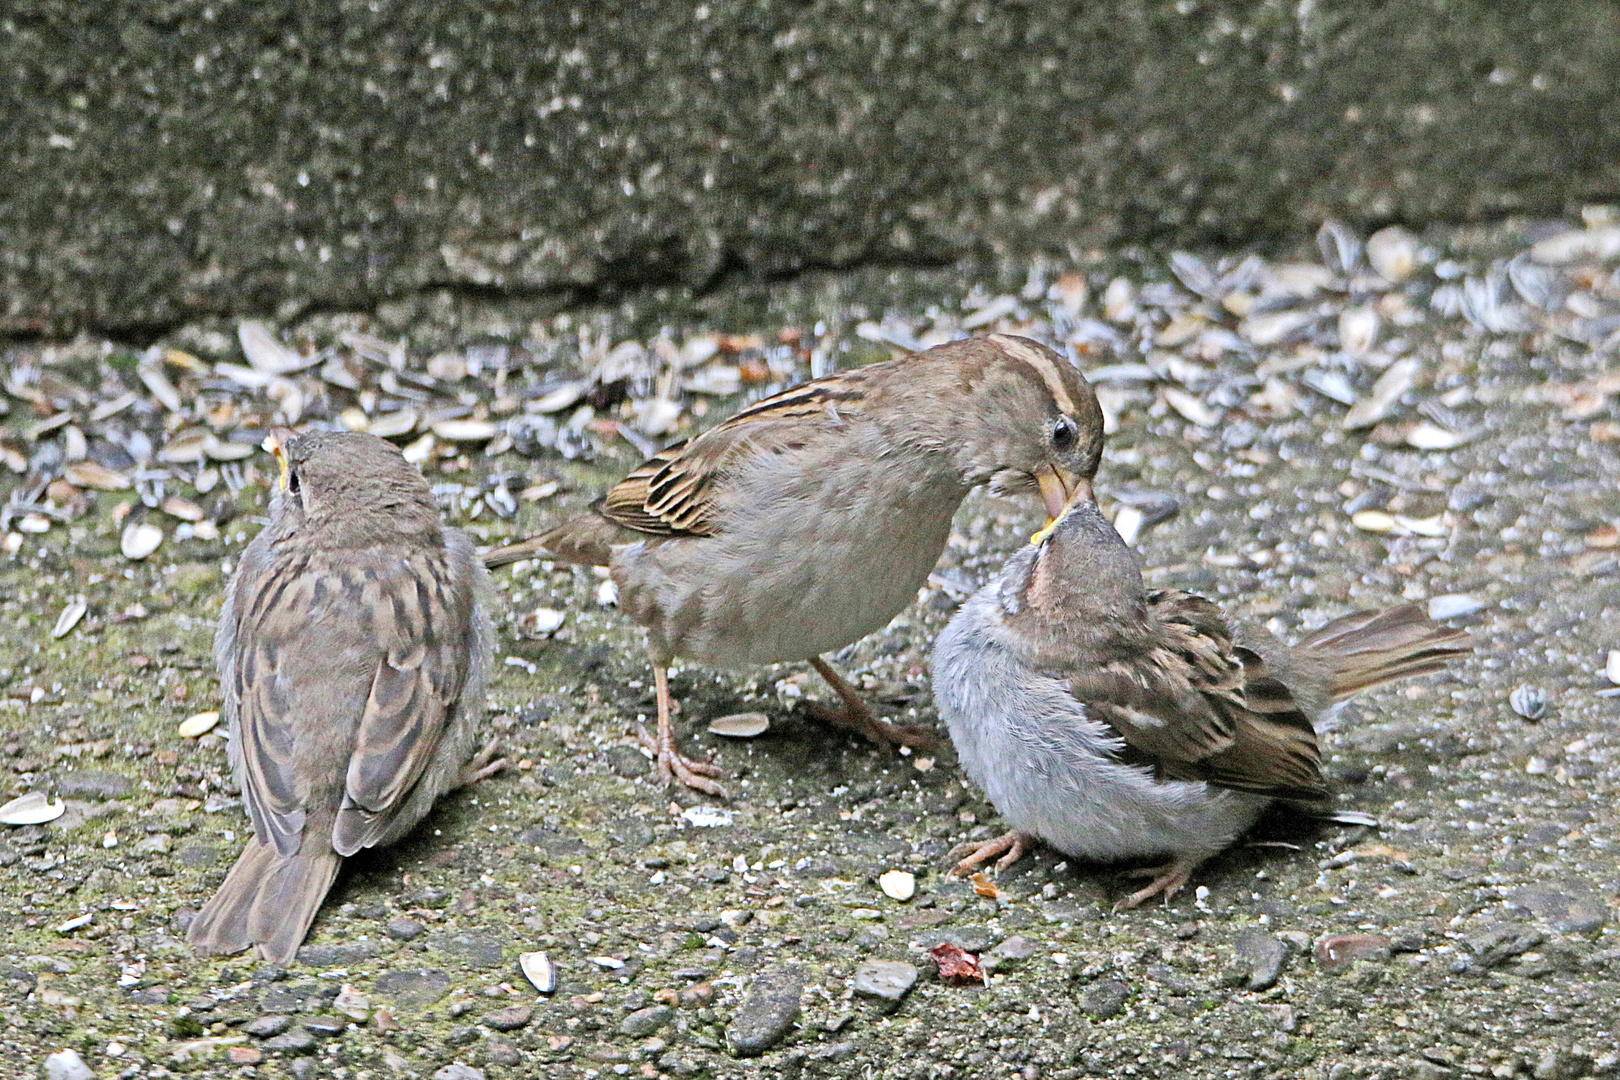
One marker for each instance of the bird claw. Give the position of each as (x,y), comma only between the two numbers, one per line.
(874,728)
(1014,843)
(672,765)
(1168,880)
(484,765)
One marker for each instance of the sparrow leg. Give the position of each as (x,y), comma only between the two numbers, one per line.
(858,716)
(483,766)
(1167,881)
(1014,843)
(671,765)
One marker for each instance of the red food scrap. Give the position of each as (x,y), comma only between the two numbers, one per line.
(957,965)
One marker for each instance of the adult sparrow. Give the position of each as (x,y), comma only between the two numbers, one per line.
(812,518)
(352,652)
(1116,723)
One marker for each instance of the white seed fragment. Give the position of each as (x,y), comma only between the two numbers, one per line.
(392,424)
(1576,245)
(1373,521)
(31,809)
(76,922)
(1455,605)
(1358,330)
(93,474)
(539,970)
(740,725)
(418,451)
(1611,670)
(1429,526)
(140,540)
(160,386)
(184,509)
(1392,253)
(1128,523)
(267,354)
(607,594)
(71,614)
(1192,408)
(193,726)
(707,817)
(1427,435)
(898,885)
(1396,380)
(465,430)
(541,622)
(355,419)
(609,963)
(558,399)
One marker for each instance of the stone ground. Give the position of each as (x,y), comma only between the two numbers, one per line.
(1473,934)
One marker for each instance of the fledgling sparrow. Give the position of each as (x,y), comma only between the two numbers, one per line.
(352,653)
(812,518)
(1117,723)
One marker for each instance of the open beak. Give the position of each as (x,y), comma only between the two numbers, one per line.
(276,443)
(1060,491)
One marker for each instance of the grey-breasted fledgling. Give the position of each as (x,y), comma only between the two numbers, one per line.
(1117,723)
(352,652)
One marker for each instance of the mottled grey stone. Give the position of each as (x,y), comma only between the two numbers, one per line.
(475,949)
(67,1065)
(94,785)
(1568,910)
(265,1027)
(644,1022)
(887,980)
(458,1071)
(403,928)
(1105,999)
(509,1019)
(414,989)
(1260,958)
(767,1013)
(346,954)
(296,1041)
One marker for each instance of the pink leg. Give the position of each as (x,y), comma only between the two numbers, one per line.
(671,764)
(1014,843)
(1168,880)
(858,716)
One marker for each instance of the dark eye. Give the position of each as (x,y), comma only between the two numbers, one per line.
(292,482)
(1064,433)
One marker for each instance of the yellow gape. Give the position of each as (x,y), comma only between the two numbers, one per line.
(276,443)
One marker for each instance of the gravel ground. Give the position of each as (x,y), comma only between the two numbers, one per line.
(1472,934)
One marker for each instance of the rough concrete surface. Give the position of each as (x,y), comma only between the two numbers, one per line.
(163,160)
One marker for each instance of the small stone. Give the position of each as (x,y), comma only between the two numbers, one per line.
(458,1071)
(67,1065)
(265,1027)
(1336,951)
(1557,1064)
(475,949)
(414,989)
(1015,950)
(1106,999)
(296,1041)
(1260,958)
(95,786)
(244,1055)
(325,1026)
(461,1036)
(403,928)
(348,954)
(509,1019)
(1571,912)
(644,1022)
(503,1053)
(887,980)
(767,1014)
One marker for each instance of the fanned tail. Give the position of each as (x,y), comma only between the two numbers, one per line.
(1367,648)
(268,900)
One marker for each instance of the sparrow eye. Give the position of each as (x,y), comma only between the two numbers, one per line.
(292,482)
(1065,433)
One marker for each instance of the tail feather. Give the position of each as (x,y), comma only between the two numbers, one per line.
(586,540)
(1367,648)
(267,900)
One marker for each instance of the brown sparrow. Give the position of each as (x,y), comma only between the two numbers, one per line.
(352,652)
(1117,723)
(812,518)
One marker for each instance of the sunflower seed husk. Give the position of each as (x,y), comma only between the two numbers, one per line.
(140,540)
(898,885)
(1455,606)
(393,424)
(193,726)
(93,474)
(465,430)
(1392,253)
(31,809)
(160,386)
(1396,380)
(267,354)
(1611,669)
(740,725)
(1528,701)
(71,614)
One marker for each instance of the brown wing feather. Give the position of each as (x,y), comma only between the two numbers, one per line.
(672,492)
(424,614)
(1199,707)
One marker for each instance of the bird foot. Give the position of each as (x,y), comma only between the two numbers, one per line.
(863,721)
(483,766)
(1014,843)
(672,765)
(1168,880)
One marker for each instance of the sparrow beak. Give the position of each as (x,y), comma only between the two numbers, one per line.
(1078,491)
(276,443)
(1057,485)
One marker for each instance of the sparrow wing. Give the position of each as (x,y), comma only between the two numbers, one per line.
(673,493)
(422,621)
(1199,707)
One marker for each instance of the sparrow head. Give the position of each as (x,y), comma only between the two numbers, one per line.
(355,488)
(1032,420)
(1078,582)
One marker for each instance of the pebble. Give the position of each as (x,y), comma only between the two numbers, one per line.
(343,955)
(266,1027)
(501,1052)
(1010,953)
(767,1013)
(67,1065)
(1337,951)
(403,928)
(476,949)
(1106,999)
(325,1026)
(1260,956)
(887,980)
(508,1019)
(644,1022)
(458,1071)
(296,1041)
(1570,911)
(93,785)
(413,989)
